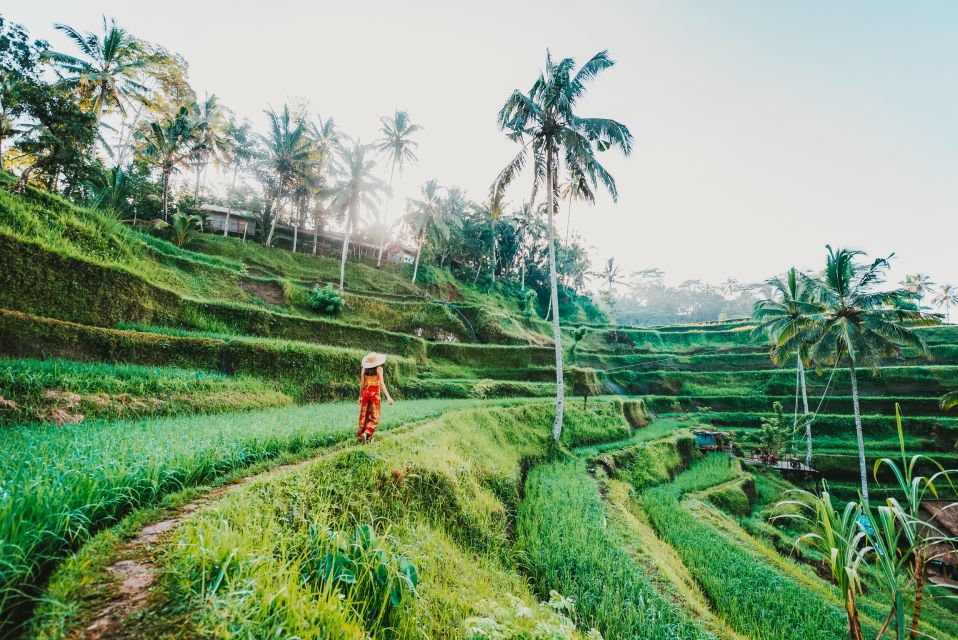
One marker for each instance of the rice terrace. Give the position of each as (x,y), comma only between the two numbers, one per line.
(481,321)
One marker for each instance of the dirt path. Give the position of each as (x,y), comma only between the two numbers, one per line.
(134,572)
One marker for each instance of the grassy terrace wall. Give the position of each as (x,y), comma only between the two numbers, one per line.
(929,380)
(921,406)
(306,371)
(490,356)
(270,324)
(46,283)
(36,280)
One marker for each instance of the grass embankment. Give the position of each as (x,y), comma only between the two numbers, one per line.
(60,391)
(566,546)
(751,596)
(439,495)
(61,484)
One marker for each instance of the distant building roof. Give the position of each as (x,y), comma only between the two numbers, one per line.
(399,246)
(215,208)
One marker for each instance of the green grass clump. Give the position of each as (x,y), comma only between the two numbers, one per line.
(751,596)
(566,547)
(39,389)
(61,484)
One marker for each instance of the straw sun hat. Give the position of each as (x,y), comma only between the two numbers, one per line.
(373,360)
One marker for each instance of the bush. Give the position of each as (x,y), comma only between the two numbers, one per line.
(326,300)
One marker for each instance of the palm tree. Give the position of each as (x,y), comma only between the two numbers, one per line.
(327,138)
(947,295)
(239,149)
(396,146)
(430,218)
(545,123)
(288,154)
(215,137)
(919,284)
(789,313)
(357,186)
(570,192)
(170,141)
(858,323)
(526,223)
(105,73)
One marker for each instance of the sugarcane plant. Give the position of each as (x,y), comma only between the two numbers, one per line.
(891,538)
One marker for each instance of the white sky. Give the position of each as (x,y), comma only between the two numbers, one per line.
(764,129)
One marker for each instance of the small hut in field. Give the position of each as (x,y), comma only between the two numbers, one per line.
(943,515)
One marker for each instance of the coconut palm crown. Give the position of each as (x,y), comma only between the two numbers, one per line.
(788,312)
(858,323)
(106,71)
(545,123)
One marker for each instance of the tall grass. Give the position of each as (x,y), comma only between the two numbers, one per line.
(751,596)
(440,494)
(58,485)
(565,546)
(39,387)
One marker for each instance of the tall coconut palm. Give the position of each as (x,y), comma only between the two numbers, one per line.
(545,123)
(858,324)
(169,142)
(947,295)
(789,313)
(397,147)
(288,153)
(215,137)
(326,138)
(355,187)
(430,218)
(239,150)
(105,73)
(919,284)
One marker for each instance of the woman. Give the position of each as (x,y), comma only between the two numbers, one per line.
(371,381)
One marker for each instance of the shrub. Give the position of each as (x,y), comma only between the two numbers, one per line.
(326,300)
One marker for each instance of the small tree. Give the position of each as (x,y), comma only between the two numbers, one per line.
(183,227)
(326,300)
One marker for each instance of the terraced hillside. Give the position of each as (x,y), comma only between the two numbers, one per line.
(80,287)
(178,459)
(723,374)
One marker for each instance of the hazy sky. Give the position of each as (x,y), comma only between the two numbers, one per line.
(764,129)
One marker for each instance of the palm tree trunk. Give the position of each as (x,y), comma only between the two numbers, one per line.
(229,201)
(295,236)
(415,269)
(382,230)
(492,225)
(342,259)
(196,189)
(523,269)
(808,423)
(858,430)
(554,295)
(316,230)
(166,195)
